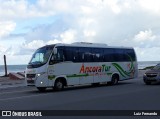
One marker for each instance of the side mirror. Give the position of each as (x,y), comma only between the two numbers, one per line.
(55,50)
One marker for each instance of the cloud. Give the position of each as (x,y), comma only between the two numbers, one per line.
(133,23)
(148,54)
(68,36)
(53,42)
(34,44)
(29,47)
(17,59)
(112,22)
(2,49)
(13,9)
(150,6)
(143,36)
(6,27)
(24,9)
(145,39)
(26,48)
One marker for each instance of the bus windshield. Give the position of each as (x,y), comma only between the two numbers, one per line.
(40,57)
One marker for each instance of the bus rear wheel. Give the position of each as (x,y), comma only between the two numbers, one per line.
(59,85)
(114,80)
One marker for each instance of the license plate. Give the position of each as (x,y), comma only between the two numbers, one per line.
(151,79)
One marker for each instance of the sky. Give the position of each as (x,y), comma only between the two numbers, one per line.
(26,25)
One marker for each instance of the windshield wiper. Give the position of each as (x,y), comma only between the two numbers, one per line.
(37,62)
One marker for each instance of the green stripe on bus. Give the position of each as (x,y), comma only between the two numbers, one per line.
(51,77)
(109,74)
(120,69)
(77,75)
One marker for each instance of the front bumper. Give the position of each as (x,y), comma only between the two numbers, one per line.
(30,79)
(151,79)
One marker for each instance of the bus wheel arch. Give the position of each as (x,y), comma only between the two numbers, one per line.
(59,83)
(114,79)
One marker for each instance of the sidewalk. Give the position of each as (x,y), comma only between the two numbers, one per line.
(6,82)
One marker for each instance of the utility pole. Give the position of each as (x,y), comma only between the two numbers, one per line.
(5,65)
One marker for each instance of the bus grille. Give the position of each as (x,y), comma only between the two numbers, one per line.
(31,75)
(30,81)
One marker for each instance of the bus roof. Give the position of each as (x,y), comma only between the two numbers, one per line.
(86,44)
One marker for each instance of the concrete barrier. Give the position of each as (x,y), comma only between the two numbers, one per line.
(21,73)
(15,76)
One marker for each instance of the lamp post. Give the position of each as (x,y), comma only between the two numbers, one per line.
(5,65)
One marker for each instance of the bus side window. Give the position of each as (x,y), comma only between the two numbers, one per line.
(68,54)
(51,62)
(131,54)
(119,55)
(109,55)
(85,55)
(81,55)
(75,54)
(59,57)
(98,54)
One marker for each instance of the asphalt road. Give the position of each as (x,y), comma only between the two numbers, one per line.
(127,95)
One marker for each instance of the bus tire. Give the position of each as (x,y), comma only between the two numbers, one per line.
(41,89)
(59,85)
(114,81)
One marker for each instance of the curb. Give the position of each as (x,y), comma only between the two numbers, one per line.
(12,84)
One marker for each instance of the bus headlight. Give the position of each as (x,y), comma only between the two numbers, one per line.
(39,74)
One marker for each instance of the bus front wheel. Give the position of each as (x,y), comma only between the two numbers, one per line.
(114,80)
(59,85)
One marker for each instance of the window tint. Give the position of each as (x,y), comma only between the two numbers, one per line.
(59,57)
(68,51)
(109,55)
(98,54)
(119,55)
(131,54)
(85,55)
(71,54)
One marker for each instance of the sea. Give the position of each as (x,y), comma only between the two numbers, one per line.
(21,68)
(12,68)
